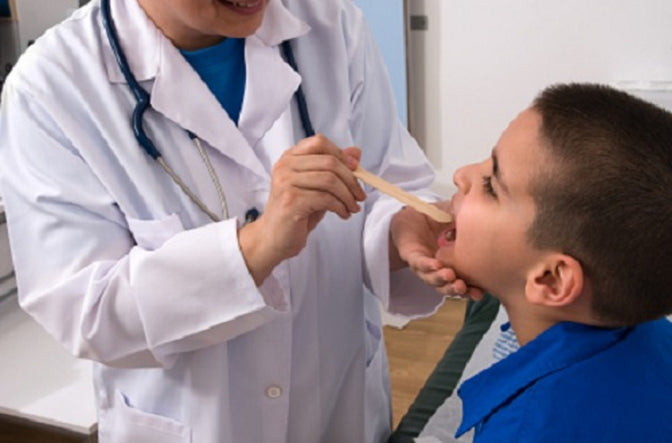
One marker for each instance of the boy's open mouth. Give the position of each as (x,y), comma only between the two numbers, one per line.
(448,235)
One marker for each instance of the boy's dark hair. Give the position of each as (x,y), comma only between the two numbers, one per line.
(605,197)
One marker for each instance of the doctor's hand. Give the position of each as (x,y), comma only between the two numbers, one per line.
(413,243)
(311,178)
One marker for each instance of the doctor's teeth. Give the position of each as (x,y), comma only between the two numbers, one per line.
(245,4)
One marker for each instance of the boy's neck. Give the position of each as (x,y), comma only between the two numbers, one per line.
(527,327)
(529,320)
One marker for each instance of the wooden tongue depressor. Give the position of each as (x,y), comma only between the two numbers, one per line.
(401,195)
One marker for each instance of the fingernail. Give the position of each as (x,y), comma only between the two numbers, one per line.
(361,195)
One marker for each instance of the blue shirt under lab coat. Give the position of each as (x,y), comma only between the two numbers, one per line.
(577,383)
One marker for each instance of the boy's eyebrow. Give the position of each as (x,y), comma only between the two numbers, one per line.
(497,173)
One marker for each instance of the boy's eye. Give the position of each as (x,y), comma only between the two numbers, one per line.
(487,186)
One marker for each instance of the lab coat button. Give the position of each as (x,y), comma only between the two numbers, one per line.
(251,215)
(273,391)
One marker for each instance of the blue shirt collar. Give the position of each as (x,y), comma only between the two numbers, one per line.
(555,349)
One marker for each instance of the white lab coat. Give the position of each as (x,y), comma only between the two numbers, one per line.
(122,268)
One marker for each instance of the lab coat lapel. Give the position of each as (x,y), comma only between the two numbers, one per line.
(177,92)
(270,82)
(137,38)
(180,95)
(270,86)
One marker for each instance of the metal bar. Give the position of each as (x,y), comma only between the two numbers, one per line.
(8,294)
(6,277)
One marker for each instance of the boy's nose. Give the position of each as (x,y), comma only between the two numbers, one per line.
(461,179)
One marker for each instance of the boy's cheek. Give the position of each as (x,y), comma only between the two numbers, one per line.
(447,256)
(444,255)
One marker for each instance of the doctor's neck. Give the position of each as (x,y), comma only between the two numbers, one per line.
(197,24)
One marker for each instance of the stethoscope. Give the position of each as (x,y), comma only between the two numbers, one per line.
(142,103)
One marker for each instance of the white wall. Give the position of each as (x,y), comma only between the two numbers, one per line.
(424,48)
(491,57)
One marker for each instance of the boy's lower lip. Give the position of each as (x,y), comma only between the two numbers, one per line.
(244,7)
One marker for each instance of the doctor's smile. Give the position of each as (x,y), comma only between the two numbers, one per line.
(244,7)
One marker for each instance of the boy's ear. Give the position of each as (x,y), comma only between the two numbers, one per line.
(556,281)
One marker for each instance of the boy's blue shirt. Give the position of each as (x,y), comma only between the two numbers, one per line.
(577,383)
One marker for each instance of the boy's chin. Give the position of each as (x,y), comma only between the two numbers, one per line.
(445,253)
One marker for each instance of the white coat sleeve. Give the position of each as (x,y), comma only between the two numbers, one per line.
(81,274)
(390,152)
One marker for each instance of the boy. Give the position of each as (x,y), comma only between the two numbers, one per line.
(569,223)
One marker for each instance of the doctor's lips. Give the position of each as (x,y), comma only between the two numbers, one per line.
(244,6)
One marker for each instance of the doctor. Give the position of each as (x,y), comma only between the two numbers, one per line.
(205,324)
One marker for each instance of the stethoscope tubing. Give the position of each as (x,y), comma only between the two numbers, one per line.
(142,98)
(140,94)
(300,98)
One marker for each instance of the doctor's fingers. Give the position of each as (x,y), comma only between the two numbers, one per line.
(443,279)
(332,166)
(332,183)
(304,201)
(446,282)
(312,174)
(320,144)
(457,288)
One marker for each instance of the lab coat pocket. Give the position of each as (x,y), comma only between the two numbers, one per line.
(130,424)
(151,234)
